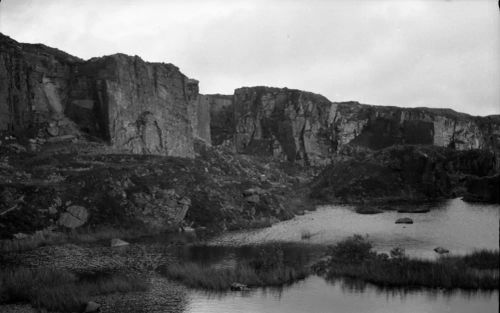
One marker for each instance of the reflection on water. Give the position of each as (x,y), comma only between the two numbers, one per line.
(317,295)
(456,225)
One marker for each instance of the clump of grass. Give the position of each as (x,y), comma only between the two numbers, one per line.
(483,259)
(269,266)
(354,258)
(202,276)
(60,290)
(32,242)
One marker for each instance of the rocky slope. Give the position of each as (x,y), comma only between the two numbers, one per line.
(408,173)
(138,107)
(57,188)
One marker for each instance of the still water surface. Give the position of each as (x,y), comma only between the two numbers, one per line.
(456,225)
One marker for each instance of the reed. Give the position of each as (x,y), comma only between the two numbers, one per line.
(354,258)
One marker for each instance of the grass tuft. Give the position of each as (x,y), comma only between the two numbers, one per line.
(271,265)
(353,258)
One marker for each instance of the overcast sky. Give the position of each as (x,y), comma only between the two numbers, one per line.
(396,52)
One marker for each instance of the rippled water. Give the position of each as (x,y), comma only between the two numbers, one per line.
(456,225)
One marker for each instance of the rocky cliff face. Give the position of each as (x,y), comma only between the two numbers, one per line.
(153,108)
(305,127)
(222,127)
(199,113)
(137,106)
(288,124)
(33,84)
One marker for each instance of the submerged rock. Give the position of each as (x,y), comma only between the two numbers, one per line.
(404,220)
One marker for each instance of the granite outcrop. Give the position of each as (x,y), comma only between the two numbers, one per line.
(136,106)
(304,127)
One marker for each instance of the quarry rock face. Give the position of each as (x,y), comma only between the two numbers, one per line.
(287,124)
(222,126)
(152,108)
(138,107)
(141,107)
(299,126)
(33,84)
(199,112)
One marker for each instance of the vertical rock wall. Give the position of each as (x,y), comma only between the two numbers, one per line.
(139,107)
(287,124)
(308,128)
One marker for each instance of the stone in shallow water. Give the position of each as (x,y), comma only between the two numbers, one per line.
(404,220)
(239,287)
(441,250)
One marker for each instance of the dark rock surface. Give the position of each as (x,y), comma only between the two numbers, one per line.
(222,126)
(404,173)
(140,191)
(483,189)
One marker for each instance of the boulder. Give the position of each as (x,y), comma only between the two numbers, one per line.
(53,131)
(92,307)
(75,216)
(404,220)
(116,242)
(252,199)
(441,250)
